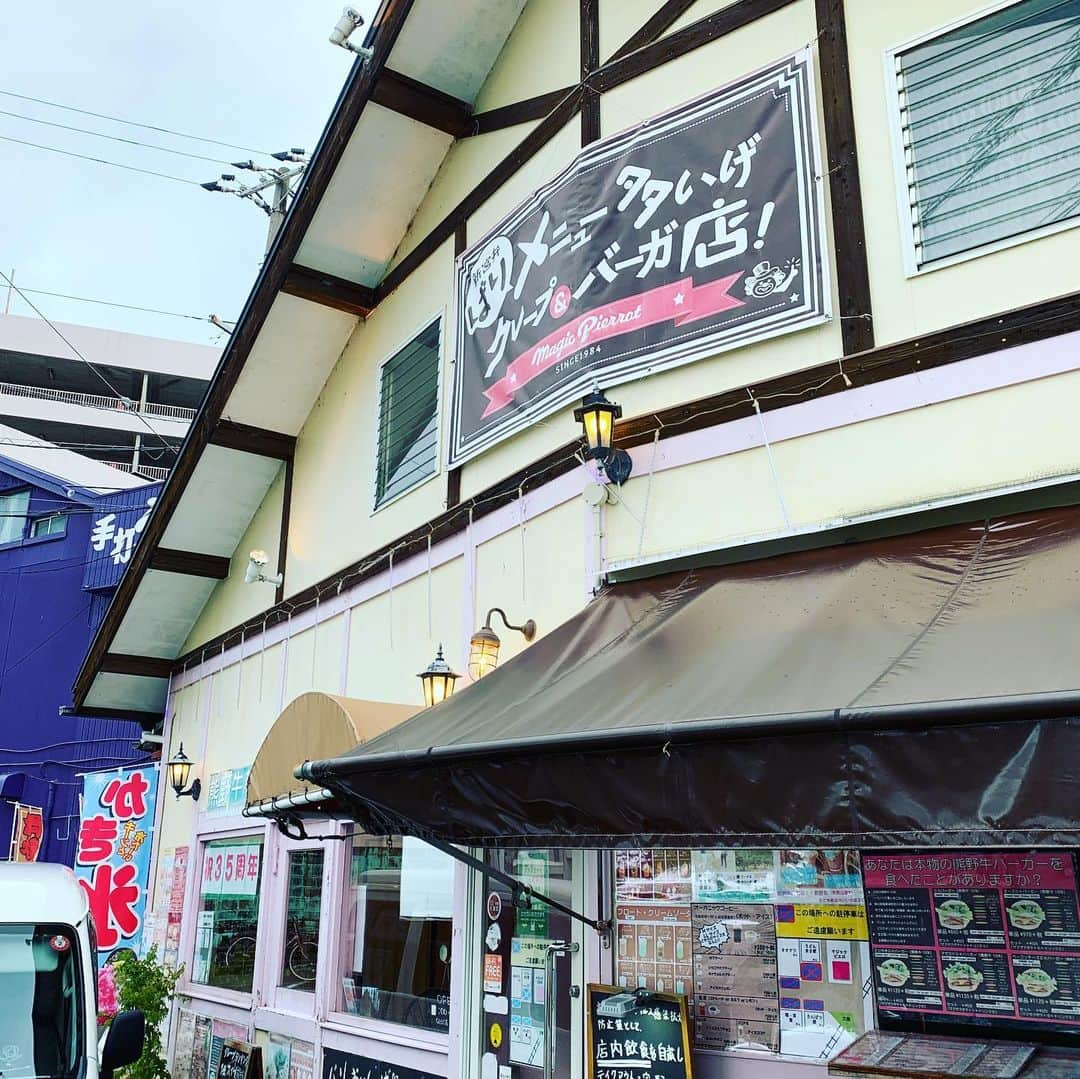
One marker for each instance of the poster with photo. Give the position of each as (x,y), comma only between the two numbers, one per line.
(989,937)
(734,876)
(819,876)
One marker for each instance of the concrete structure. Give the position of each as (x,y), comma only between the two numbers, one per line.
(926,388)
(133,412)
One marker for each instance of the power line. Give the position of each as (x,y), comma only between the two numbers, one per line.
(111,303)
(112,389)
(133,123)
(99,160)
(115,138)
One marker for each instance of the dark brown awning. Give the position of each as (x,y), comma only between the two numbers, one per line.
(918,689)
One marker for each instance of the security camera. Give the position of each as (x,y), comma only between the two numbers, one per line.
(257,562)
(351,20)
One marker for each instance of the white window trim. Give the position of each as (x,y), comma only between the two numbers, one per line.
(330,967)
(201,990)
(438,317)
(903,196)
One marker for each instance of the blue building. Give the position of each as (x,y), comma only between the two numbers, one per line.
(68,525)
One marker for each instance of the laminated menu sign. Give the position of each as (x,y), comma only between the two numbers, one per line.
(649,1040)
(736,997)
(934,1057)
(982,935)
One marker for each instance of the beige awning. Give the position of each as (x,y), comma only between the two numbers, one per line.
(313,727)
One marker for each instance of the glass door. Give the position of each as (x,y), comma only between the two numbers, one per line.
(531,967)
(301,873)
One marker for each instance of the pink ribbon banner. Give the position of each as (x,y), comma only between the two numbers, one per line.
(680,302)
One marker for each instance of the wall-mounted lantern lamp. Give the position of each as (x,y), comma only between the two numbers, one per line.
(255,572)
(179,771)
(484,645)
(597,416)
(438,680)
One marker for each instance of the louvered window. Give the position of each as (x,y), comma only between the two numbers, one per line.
(408,416)
(990,121)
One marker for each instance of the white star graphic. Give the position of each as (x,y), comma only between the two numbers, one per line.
(678,299)
(794,297)
(511,378)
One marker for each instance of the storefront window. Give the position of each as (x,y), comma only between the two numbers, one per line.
(302,909)
(396,934)
(228,914)
(769,946)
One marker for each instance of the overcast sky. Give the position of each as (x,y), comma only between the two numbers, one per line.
(260,75)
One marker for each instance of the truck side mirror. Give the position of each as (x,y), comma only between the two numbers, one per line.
(123,1043)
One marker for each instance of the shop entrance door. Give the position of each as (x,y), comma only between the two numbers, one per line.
(527,953)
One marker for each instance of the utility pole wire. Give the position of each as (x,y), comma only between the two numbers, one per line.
(99,160)
(133,123)
(115,138)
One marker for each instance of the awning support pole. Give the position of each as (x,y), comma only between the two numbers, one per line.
(523,895)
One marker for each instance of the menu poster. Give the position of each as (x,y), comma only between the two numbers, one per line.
(238,1060)
(934,1057)
(661,874)
(655,949)
(983,936)
(649,1042)
(736,998)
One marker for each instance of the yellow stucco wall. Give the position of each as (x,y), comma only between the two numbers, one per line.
(232,600)
(958,447)
(332,523)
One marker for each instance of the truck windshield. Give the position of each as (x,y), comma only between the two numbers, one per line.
(41,1002)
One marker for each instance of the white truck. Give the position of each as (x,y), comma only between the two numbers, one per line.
(48,982)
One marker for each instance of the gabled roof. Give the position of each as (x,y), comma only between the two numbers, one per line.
(387,136)
(62,471)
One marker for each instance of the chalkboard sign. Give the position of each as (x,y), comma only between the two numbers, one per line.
(238,1060)
(646,1038)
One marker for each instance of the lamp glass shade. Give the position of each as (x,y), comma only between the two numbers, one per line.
(483,653)
(438,680)
(179,770)
(597,416)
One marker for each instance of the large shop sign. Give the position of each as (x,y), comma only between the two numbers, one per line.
(696,232)
(112,860)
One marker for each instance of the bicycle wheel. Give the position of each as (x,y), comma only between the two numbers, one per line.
(302,962)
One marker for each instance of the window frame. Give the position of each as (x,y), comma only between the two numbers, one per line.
(439,317)
(903,197)
(12,492)
(330,963)
(204,990)
(44,517)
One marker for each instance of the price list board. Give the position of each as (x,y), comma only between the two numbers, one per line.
(984,937)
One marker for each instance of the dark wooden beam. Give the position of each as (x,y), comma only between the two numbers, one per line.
(659,24)
(241,436)
(453,475)
(520,112)
(329,290)
(283,534)
(386,28)
(644,59)
(589,39)
(962,342)
(137,666)
(423,103)
(190,563)
(849,233)
(525,150)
